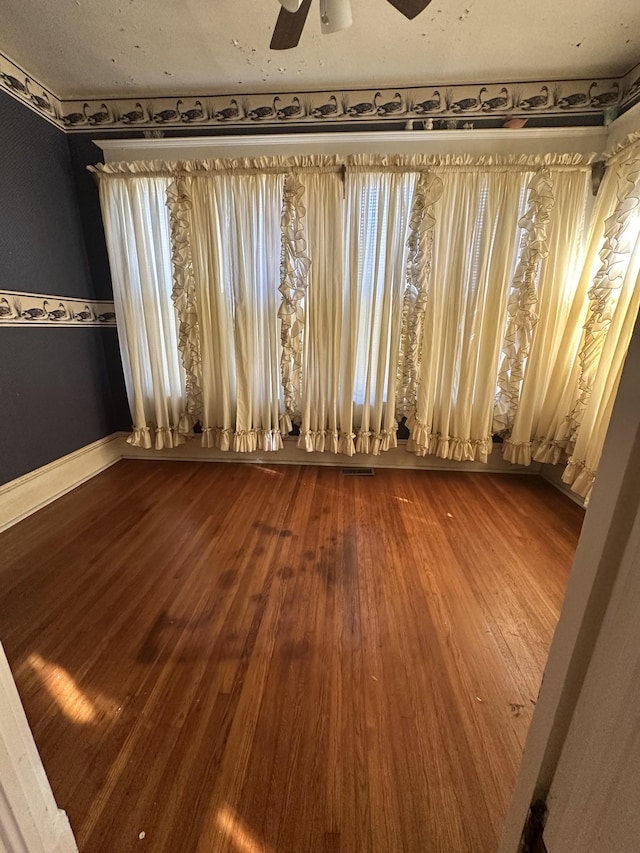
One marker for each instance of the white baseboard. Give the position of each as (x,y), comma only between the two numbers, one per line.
(29,493)
(553,474)
(397,457)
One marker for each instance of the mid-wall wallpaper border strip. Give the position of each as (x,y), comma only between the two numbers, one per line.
(437,106)
(41,309)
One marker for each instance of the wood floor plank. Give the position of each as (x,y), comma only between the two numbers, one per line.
(234,657)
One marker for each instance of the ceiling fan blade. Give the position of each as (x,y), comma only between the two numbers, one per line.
(410,8)
(289,27)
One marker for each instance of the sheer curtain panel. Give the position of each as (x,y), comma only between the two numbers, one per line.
(355,230)
(136,224)
(231,224)
(551,431)
(475,247)
(541,335)
(377,211)
(574,414)
(614,300)
(325,342)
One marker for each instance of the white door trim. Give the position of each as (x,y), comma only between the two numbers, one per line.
(30,820)
(605,533)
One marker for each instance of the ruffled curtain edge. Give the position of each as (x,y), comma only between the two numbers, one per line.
(242,441)
(156,438)
(365,442)
(580,478)
(183,296)
(294,269)
(418,267)
(608,280)
(523,299)
(423,442)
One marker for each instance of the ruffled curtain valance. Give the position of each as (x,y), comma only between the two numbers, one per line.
(338,163)
(622,149)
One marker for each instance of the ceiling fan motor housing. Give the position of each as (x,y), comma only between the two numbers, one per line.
(335,15)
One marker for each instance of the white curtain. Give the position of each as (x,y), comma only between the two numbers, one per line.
(324,338)
(376,213)
(136,224)
(355,309)
(551,430)
(574,413)
(231,225)
(614,301)
(344,294)
(475,251)
(540,339)
(356,232)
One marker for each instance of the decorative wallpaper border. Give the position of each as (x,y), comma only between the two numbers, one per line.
(436,106)
(18,83)
(40,309)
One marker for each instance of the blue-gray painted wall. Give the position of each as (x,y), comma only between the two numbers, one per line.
(60,388)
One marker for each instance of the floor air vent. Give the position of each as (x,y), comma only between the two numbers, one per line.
(358,472)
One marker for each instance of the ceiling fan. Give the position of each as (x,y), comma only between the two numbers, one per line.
(334,15)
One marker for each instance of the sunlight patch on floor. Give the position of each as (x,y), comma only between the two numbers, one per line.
(239,833)
(64,691)
(272,471)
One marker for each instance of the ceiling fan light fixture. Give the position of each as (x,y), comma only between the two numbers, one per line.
(335,15)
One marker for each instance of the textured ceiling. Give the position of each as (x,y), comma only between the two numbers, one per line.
(127,48)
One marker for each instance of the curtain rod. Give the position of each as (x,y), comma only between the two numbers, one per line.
(340,169)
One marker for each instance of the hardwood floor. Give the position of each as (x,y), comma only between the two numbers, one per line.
(247,658)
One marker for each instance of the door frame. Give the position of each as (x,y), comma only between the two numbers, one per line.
(606,530)
(30,820)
